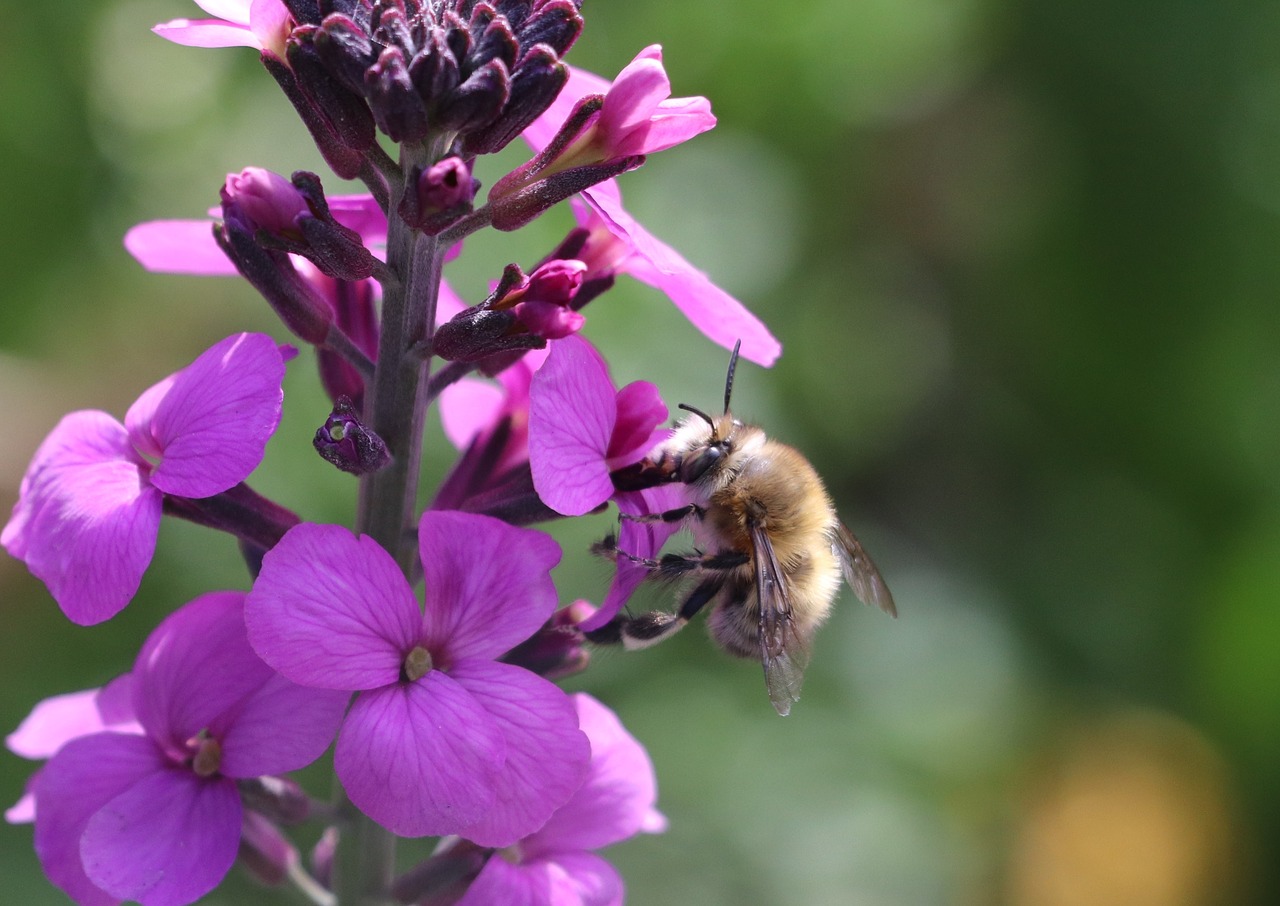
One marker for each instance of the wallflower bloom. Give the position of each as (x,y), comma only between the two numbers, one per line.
(442,739)
(555,865)
(88,511)
(261,24)
(157,817)
(581,429)
(638,115)
(632,248)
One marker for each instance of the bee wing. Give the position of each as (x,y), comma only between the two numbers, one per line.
(860,572)
(782,650)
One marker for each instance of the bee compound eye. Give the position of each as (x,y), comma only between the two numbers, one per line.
(699,463)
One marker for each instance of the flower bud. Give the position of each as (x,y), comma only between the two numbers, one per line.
(479,71)
(293,216)
(444,192)
(344,441)
(265,851)
(557,649)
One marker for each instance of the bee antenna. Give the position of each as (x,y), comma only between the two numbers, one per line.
(728,381)
(698,412)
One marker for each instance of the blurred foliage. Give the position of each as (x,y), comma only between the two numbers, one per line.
(1022,257)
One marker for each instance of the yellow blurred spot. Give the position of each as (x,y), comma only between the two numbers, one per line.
(1134,811)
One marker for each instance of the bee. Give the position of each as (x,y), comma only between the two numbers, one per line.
(772,548)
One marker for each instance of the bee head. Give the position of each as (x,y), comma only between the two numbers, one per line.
(704,457)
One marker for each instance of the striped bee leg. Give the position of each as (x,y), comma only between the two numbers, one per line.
(650,628)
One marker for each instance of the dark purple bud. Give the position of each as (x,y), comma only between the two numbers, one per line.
(277,798)
(483,70)
(304,10)
(443,879)
(345,112)
(478,100)
(435,71)
(346,49)
(338,251)
(514,210)
(342,159)
(444,194)
(397,107)
(534,85)
(556,25)
(477,333)
(556,650)
(347,443)
(273,275)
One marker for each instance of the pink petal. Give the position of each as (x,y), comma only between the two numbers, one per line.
(86,520)
(421,759)
(195,666)
(488,584)
(85,775)
(54,722)
(206,33)
(617,797)
(467,408)
(714,312)
(569,879)
(572,411)
(635,94)
(24,810)
(672,123)
(212,422)
(584,878)
(362,214)
(167,840)
(546,752)
(331,610)
(641,413)
(178,247)
(237,11)
(281,727)
(511,885)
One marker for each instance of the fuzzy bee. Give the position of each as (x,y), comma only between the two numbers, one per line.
(773,549)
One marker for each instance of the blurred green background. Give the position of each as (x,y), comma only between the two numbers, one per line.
(1022,256)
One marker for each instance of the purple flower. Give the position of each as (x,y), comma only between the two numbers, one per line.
(555,865)
(581,429)
(88,510)
(442,739)
(263,24)
(157,817)
(638,115)
(623,246)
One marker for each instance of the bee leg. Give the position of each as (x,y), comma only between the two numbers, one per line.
(650,628)
(673,566)
(679,514)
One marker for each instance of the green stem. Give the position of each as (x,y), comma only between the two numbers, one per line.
(395,409)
